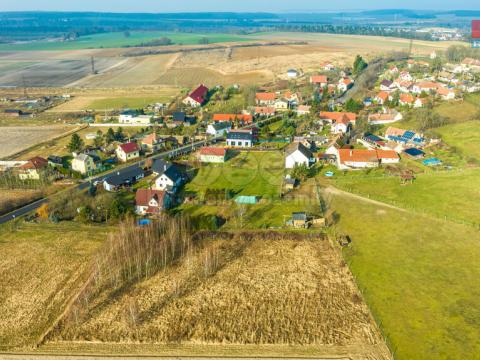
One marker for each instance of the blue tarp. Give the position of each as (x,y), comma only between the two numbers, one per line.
(432,162)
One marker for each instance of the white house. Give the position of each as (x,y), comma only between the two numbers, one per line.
(297,154)
(149,201)
(384,118)
(83,164)
(219,128)
(131,117)
(356,159)
(170,179)
(128,151)
(240,138)
(281,105)
(197,97)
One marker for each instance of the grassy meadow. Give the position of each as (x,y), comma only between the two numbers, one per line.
(118,39)
(126,102)
(419,277)
(464,137)
(41,266)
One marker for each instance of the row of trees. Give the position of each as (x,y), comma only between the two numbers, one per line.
(77,144)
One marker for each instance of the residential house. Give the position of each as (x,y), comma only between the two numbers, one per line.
(180,118)
(384,118)
(299,220)
(152,142)
(197,97)
(170,179)
(132,117)
(54,160)
(387,85)
(128,151)
(319,80)
(160,165)
(344,84)
(341,122)
(303,110)
(149,201)
(281,104)
(382,97)
(446,93)
(219,128)
(33,168)
(405,76)
(123,177)
(387,156)
(240,138)
(406,99)
(264,111)
(428,87)
(84,164)
(420,102)
(265,98)
(362,158)
(327,66)
(371,141)
(239,119)
(406,137)
(213,154)
(298,154)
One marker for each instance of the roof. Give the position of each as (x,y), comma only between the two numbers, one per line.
(129,112)
(213,151)
(428,85)
(413,152)
(151,139)
(199,94)
(407,98)
(179,116)
(297,146)
(264,110)
(305,108)
(129,147)
(143,196)
(319,79)
(232,117)
(82,157)
(386,154)
(386,83)
(444,91)
(222,125)
(299,216)
(392,131)
(122,177)
(239,135)
(383,95)
(36,162)
(265,96)
(346,81)
(357,155)
(338,116)
(172,173)
(160,165)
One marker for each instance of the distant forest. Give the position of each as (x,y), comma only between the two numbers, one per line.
(27,26)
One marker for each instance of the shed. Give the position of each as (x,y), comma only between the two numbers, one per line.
(299,219)
(246,200)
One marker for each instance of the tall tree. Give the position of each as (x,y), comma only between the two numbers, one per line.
(76,143)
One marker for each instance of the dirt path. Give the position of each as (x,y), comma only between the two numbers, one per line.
(336,191)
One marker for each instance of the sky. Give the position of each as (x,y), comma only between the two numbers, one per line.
(230,5)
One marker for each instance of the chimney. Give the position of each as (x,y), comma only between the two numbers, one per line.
(351,152)
(164,167)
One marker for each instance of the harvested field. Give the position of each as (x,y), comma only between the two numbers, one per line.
(11,199)
(236,288)
(14,139)
(40,266)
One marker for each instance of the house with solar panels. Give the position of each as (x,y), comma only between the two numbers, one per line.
(407,138)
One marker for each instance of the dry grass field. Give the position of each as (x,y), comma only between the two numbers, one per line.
(14,139)
(238,288)
(10,199)
(40,266)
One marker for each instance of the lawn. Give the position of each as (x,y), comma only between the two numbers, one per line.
(461,111)
(420,277)
(247,173)
(118,39)
(41,266)
(451,194)
(464,136)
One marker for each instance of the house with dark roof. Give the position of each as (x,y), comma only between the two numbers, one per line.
(123,178)
(169,179)
(197,97)
(160,165)
(128,151)
(181,118)
(149,201)
(240,138)
(298,154)
(219,128)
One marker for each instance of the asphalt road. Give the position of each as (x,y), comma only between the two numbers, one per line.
(167,154)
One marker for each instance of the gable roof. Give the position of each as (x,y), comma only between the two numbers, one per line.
(338,116)
(160,165)
(172,173)
(319,79)
(392,131)
(297,146)
(36,162)
(129,147)
(143,197)
(386,83)
(240,135)
(151,139)
(199,94)
(232,117)
(121,178)
(213,151)
(406,98)
(179,116)
(265,96)
(383,95)
(221,125)
(357,155)
(264,110)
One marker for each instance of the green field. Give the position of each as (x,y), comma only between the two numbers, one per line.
(466,110)
(419,276)
(126,102)
(118,39)
(453,194)
(464,136)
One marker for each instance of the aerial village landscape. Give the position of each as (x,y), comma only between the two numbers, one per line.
(283,194)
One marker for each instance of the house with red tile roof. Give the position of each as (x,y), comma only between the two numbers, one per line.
(128,151)
(265,98)
(197,97)
(382,97)
(264,111)
(364,158)
(406,99)
(32,169)
(148,201)
(341,122)
(344,84)
(152,142)
(320,80)
(213,154)
(242,119)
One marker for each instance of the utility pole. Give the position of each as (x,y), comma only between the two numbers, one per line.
(93,65)
(25,94)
